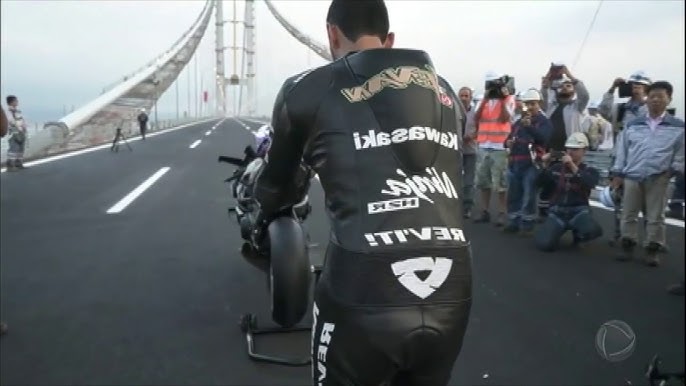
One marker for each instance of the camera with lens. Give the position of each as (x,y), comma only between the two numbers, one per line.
(494,88)
(556,155)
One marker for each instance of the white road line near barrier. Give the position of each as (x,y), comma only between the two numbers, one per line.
(129,198)
(194,144)
(593,203)
(668,221)
(107,145)
(208,132)
(255,121)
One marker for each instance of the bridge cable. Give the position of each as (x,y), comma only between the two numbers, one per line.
(588,32)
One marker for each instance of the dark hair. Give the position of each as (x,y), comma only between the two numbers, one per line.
(11,98)
(662,85)
(465,88)
(356,18)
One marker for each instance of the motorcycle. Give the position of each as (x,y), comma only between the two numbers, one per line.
(281,239)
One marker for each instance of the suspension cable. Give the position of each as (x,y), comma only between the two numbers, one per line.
(588,32)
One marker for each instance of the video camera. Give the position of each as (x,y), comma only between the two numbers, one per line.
(494,87)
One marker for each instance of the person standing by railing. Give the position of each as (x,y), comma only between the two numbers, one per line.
(143,122)
(18,135)
(469,150)
(4,127)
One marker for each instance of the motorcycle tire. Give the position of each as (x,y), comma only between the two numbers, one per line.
(289,271)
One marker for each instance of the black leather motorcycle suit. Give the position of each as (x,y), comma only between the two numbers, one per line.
(383,132)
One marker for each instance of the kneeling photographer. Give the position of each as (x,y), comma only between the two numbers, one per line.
(571,181)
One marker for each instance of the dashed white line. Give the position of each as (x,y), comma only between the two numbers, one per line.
(208,132)
(195,144)
(129,198)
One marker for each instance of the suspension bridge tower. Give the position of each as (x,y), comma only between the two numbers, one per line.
(245,79)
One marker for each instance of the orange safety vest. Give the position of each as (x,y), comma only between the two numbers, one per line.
(490,130)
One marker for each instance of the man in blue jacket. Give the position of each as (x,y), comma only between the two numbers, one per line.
(649,152)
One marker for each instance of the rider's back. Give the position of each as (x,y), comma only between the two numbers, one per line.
(385,145)
(382,131)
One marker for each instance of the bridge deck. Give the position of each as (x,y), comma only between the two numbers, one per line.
(152,295)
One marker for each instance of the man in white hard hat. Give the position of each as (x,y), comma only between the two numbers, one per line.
(571,182)
(565,99)
(598,128)
(494,124)
(649,152)
(143,122)
(620,114)
(526,143)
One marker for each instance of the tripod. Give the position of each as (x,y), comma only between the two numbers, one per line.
(119,137)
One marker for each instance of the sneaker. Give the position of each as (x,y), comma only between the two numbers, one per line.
(627,253)
(651,257)
(511,228)
(484,218)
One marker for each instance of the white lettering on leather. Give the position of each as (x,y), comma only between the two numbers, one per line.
(375,139)
(403,236)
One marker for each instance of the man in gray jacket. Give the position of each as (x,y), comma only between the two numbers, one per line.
(649,152)
(469,149)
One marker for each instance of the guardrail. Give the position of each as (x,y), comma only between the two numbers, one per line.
(41,142)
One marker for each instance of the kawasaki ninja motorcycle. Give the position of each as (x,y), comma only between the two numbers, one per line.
(281,239)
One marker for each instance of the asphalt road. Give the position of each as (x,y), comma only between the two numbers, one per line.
(152,293)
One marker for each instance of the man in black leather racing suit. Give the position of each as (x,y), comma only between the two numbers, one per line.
(383,132)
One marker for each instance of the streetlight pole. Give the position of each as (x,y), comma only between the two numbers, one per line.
(176,86)
(156,82)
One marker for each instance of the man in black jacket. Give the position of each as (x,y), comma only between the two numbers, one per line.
(143,122)
(383,132)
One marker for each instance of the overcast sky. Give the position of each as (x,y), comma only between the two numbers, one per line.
(57,53)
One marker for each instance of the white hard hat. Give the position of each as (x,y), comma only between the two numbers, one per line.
(492,75)
(564,79)
(577,140)
(143,109)
(640,77)
(531,95)
(606,197)
(263,131)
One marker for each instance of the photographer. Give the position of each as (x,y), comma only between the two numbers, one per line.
(635,87)
(526,143)
(493,117)
(565,99)
(571,182)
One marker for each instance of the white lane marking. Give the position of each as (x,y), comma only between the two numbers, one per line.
(194,144)
(208,132)
(129,198)
(256,121)
(241,123)
(668,221)
(108,145)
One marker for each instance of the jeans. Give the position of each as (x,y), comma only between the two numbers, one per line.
(521,195)
(578,219)
(469,168)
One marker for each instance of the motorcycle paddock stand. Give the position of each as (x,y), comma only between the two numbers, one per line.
(249,327)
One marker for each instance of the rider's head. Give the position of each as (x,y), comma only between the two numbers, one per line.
(356,25)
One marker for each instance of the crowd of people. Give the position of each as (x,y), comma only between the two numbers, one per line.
(528,148)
